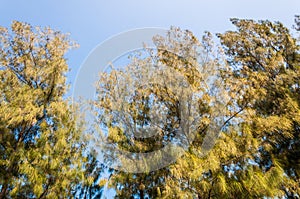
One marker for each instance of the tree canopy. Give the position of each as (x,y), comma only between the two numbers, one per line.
(41,142)
(229,104)
(256,67)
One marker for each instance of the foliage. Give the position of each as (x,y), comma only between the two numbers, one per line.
(266,61)
(257,153)
(41,145)
(175,94)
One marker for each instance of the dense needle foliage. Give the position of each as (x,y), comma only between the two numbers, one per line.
(249,83)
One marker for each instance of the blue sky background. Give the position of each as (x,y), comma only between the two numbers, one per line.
(90,22)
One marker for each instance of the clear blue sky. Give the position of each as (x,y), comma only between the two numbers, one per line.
(90,22)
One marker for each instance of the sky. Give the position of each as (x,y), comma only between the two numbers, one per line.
(91,22)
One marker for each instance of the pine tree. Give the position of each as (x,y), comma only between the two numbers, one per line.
(130,107)
(257,152)
(41,146)
(266,60)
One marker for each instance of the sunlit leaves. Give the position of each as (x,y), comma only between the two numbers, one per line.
(41,148)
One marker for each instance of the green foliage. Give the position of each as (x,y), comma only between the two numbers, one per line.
(41,146)
(256,155)
(267,57)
